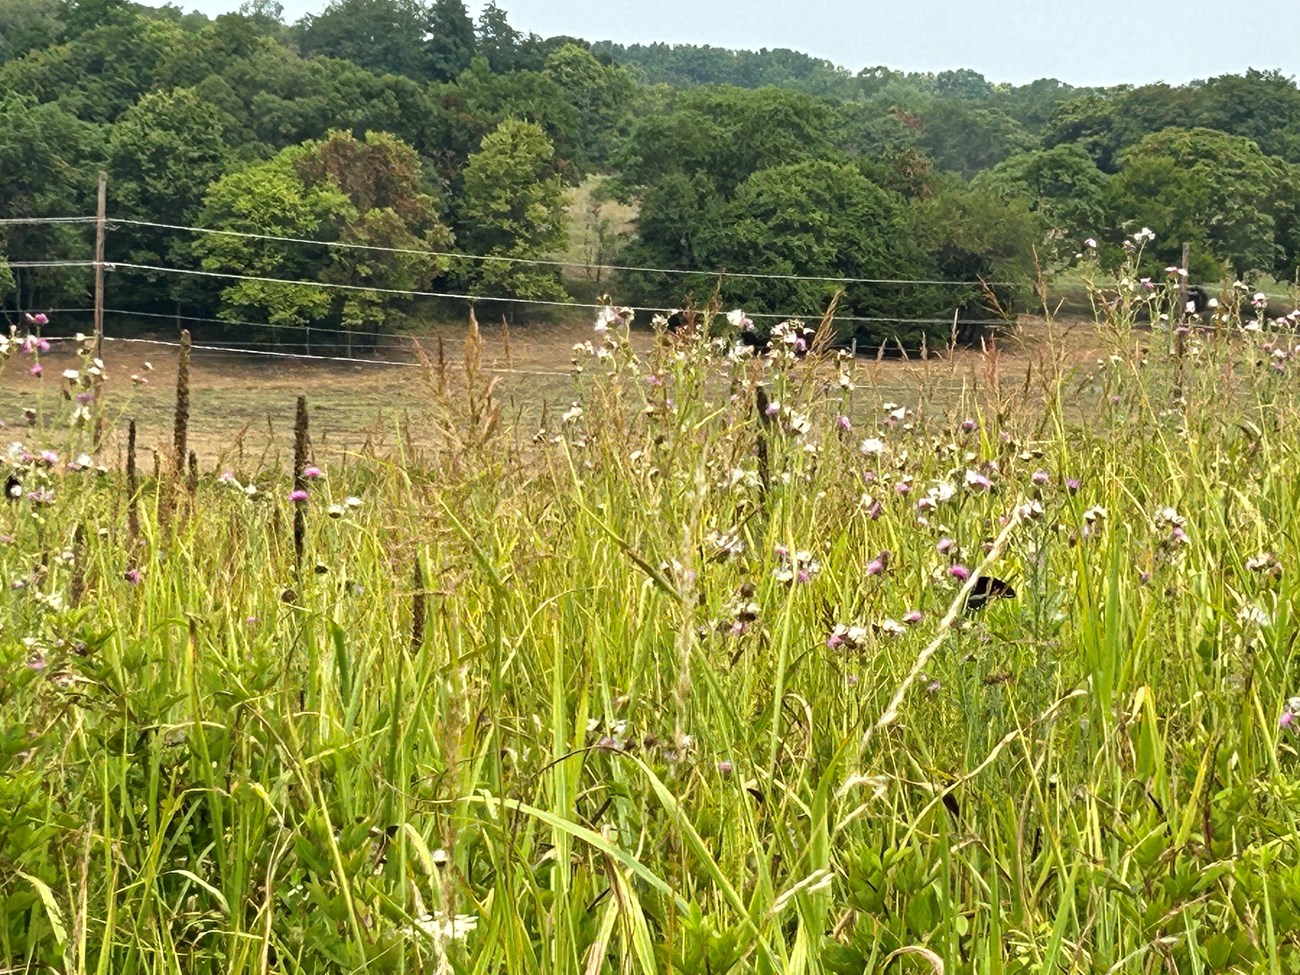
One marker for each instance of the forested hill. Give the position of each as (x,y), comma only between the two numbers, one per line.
(318,173)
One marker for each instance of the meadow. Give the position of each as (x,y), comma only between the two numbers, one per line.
(676,678)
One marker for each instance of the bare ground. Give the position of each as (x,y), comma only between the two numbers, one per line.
(242,405)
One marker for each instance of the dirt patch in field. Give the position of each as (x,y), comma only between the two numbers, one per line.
(242,405)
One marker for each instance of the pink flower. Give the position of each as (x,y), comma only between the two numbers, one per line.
(845,423)
(312,472)
(36,370)
(945,545)
(297,495)
(913,616)
(875,567)
(132,576)
(1041,477)
(959,571)
(968,424)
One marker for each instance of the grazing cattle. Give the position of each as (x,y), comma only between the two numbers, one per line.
(795,337)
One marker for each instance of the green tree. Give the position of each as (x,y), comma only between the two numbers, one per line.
(1062,186)
(48,158)
(966,139)
(336,189)
(1205,187)
(162,155)
(383,36)
(813,218)
(496,39)
(29,25)
(450,46)
(971,234)
(512,205)
(599,94)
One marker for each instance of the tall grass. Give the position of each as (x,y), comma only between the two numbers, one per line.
(577,702)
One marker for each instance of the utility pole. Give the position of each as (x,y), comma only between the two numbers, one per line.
(99,265)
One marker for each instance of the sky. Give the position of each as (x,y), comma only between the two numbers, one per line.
(1082,42)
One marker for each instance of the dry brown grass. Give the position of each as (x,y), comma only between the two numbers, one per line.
(242,406)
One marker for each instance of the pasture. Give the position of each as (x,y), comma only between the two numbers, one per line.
(646,681)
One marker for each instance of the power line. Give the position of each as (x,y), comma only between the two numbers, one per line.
(539,262)
(324,358)
(524,301)
(15,221)
(37,264)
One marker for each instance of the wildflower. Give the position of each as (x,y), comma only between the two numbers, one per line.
(945,545)
(977,481)
(1264,562)
(1041,477)
(36,370)
(799,568)
(297,495)
(773,408)
(913,616)
(1253,614)
(891,627)
(844,423)
(875,567)
(968,424)
(228,477)
(1169,516)
(871,506)
(71,374)
(573,413)
(1290,713)
(844,637)
(40,318)
(872,446)
(1072,484)
(312,472)
(725,767)
(49,458)
(1144,235)
(335,511)
(1095,513)
(352,502)
(442,926)
(959,572)
(1090,244)
(904,486)
(736,318)
(1030,511)
(132,576)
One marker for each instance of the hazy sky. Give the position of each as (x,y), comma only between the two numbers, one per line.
(1084,42)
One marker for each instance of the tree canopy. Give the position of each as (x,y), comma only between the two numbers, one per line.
(417,131)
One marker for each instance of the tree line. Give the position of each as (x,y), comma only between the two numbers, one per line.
(443,152)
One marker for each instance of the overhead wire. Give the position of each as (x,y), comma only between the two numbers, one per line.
(541,262)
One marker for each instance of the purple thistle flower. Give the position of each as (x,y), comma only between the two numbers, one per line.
(913,616)
(312,472)
(1072,484)
(36,370)
(959,571)
(945,545)
(297,495)
(1041,477)
(968,424)
(875,567)
(132,576)
(845,423)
